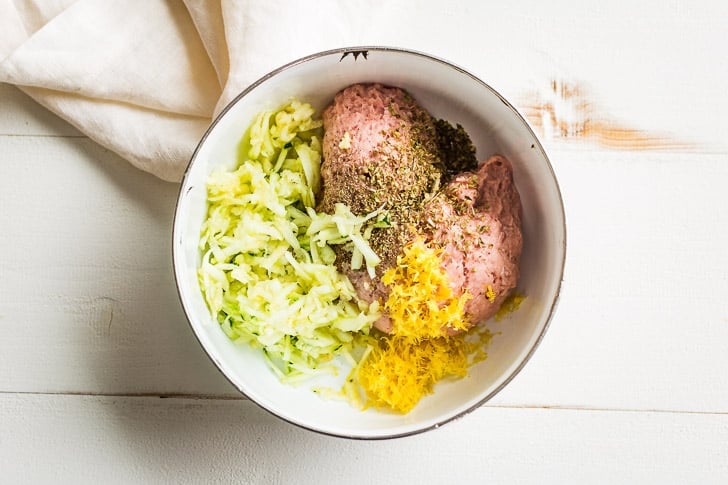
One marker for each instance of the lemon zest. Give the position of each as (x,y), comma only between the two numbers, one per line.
(426,345)
(509,305)
(421,302)
(400,371)
(490,293)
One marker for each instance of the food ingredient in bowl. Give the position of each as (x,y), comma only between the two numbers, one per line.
(400,371)
(380,152)
(421,296)
(400,239)
(476,221)
(404,367)
(267,269)
(451,257)
(400,158)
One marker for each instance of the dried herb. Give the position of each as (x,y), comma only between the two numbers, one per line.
(456,148)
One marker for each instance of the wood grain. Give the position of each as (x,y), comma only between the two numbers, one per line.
(87,286)
(148,440)
(566,111)
(627,387)
(88,289)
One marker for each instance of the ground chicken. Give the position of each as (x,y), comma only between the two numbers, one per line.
(477,220)
(380,150)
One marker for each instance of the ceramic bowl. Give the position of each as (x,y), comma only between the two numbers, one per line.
(448,92)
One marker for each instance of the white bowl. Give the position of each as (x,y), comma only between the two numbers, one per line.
(448,92)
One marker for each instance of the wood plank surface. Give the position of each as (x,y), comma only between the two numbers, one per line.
(20,116)
(91,439)
(629,385)
(88,289)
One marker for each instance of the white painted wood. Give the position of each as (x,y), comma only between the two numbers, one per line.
(87,439)
(87,286)
(640,325)
(643,316)
(654,65)
(628,385)
(19,115)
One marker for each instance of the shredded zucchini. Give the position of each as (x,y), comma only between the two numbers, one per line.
(267,270)
(269,279)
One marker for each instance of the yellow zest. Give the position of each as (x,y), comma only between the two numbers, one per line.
(490,294)
(509,306)
(421,302)
(402,370)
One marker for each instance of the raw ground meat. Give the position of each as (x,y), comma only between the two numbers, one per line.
(380,150)
(477,220)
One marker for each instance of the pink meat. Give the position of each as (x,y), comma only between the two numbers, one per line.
(477,220)
(379,150)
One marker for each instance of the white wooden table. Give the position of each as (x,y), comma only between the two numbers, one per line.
(101,379)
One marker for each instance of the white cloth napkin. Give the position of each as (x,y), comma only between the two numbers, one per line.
(145,77)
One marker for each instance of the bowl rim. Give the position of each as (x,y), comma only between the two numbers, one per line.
(343,51)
